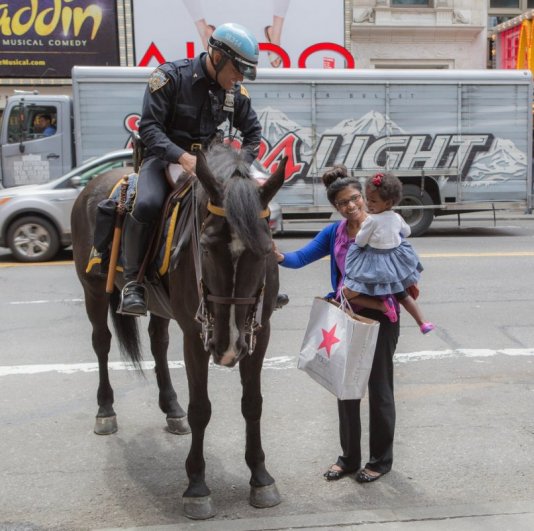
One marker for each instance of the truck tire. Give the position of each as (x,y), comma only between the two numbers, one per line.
(418,219)
(32,239)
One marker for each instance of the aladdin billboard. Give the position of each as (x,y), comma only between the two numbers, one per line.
(46,38)
(291,33)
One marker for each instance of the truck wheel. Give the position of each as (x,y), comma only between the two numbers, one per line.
(418,219)
(32,239)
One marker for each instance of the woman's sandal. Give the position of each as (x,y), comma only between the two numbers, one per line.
(333,474)
(363,476)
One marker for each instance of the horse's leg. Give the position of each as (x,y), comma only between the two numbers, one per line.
(263,491)
(196,499)
(96,305)
(158,331)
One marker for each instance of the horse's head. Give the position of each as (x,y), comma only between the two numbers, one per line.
(235,253)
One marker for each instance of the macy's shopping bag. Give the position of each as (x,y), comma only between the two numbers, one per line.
(338,348)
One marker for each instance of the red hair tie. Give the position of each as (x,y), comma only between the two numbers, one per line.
(377,179)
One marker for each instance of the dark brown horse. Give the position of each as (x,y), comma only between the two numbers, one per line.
(222,292)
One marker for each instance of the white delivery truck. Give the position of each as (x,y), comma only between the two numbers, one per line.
(459,140)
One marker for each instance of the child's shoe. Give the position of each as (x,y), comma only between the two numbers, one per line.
(391,312)
(426,327)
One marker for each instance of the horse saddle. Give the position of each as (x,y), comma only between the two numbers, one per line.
(171,233)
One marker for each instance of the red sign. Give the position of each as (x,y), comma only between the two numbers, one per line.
(153,52)
(509,46)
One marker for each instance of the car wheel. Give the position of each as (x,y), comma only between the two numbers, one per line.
(419,219)
(32,239)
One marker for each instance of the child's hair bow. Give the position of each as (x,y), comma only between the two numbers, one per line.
(377,179)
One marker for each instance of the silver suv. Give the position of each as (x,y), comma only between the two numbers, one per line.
(35,219)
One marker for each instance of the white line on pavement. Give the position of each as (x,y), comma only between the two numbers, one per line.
(55,301)
(276,363)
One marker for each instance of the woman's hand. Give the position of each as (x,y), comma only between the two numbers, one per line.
(277,253)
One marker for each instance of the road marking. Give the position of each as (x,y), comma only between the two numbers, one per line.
(422,255)
(36,264)
(45,301)
(274,363)
(476,255)
(470,255)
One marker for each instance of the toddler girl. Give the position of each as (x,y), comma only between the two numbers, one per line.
(381,262)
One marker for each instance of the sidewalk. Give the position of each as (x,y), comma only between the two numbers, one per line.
(517,516)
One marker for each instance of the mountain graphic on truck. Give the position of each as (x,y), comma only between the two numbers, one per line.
(368,142)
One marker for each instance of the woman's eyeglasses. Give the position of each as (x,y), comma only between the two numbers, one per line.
(345,203)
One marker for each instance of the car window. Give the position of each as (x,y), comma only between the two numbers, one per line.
(30,122)
(15,124)
(94,171)
(42,121)
(90,174)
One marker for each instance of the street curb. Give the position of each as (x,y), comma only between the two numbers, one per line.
(519,515)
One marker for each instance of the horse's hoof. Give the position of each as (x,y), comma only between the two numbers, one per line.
(199,508)
(178,426)
(106,425)
(263,497)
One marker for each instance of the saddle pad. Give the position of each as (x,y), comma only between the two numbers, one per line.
(163,257)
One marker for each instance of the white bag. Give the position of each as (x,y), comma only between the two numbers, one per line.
(338,348)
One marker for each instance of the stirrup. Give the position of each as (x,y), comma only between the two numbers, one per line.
(120,308)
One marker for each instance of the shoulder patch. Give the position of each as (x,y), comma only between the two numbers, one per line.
(244,92)
(157,80)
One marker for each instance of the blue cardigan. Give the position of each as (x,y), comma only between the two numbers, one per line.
(319,247)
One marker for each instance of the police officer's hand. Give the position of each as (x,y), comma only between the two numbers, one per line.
(188,162)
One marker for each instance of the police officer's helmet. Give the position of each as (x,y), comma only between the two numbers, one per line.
(239,45)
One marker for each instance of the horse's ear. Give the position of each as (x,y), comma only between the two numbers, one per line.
(273,183)
(208,181)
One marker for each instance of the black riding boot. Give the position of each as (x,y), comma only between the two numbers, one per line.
(281,300)
(135,239)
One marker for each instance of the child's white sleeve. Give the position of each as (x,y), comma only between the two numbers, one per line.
(405,229)
(365,232)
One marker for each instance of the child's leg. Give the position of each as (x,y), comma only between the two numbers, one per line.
(373,303)
(413,309)
(385,306)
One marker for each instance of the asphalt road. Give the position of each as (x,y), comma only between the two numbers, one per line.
(464,405)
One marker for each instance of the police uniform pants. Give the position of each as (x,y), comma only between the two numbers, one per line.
(381,406)
(152,190)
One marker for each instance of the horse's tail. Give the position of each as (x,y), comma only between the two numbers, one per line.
(127,332)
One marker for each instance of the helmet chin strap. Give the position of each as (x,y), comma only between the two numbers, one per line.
(217,67)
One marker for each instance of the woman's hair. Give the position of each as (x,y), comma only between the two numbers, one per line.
(388,186)
(336,180)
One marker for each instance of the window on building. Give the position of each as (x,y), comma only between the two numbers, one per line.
(410,2)
(496,20)
(504,4)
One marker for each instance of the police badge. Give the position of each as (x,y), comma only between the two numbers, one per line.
(229,101)
(157,80)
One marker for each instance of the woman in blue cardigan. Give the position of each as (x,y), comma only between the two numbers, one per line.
(345,194)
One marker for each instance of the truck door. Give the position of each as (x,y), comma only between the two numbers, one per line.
(31,144)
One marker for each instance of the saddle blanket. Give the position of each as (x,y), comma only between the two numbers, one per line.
(163,259)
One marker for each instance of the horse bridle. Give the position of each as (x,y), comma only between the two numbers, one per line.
(203,315)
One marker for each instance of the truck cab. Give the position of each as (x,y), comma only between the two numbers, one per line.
(36,140)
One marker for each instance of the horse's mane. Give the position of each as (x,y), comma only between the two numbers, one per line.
(241,200)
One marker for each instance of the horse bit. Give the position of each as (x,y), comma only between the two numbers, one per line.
(203,315)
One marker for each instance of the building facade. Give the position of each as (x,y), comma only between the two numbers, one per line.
(419,33)
(448,34)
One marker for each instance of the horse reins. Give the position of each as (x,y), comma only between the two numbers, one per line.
(203,316)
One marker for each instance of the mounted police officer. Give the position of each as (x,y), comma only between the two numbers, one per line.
(184,104)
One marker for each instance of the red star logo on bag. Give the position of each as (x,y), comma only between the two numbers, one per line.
(329,339)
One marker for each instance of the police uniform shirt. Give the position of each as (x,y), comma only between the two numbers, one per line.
(183,106)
